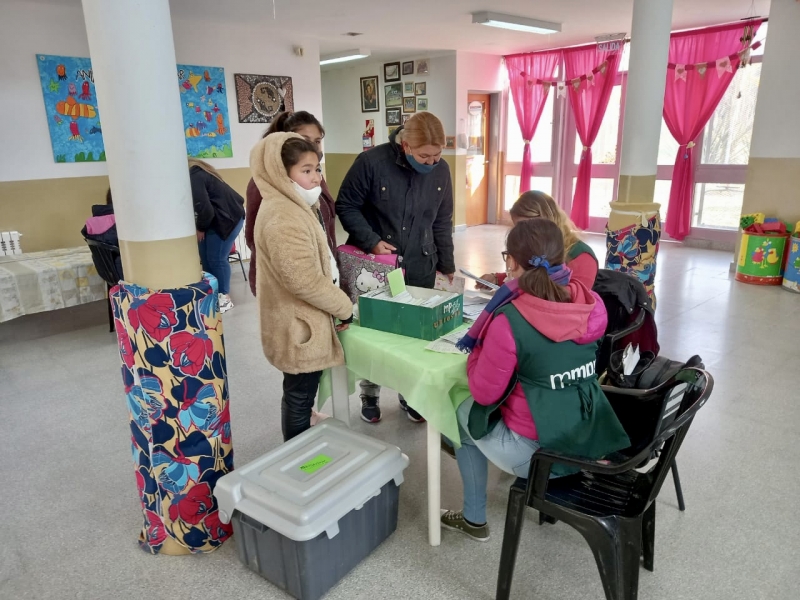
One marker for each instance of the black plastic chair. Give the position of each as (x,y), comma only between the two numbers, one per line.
(609,502)
(106,260)
(236,256)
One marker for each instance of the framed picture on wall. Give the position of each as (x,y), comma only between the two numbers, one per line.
(410,104)
(450,142)
(393,116)
(421,89)
(408,88)
(408,68)
(422,104)
(369,94)
(391,72)
(423,66)
(406,118)
(394,95)
(392,130)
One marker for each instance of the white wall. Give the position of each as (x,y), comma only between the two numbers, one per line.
(30,28)
(478,73)
(776,129)
(341,100)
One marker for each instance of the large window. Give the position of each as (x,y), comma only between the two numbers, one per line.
(721,156)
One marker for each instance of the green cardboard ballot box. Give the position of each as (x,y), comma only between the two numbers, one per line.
(425,323)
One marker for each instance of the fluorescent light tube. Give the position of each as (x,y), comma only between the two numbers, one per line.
(345,56)
(515,23)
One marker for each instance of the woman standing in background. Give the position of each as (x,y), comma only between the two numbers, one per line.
(219,217)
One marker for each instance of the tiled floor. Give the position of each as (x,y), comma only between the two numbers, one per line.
(70,515)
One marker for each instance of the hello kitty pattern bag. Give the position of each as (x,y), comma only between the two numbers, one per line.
(361,272)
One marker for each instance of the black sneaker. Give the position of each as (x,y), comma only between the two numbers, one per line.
(370,410)
(410,412)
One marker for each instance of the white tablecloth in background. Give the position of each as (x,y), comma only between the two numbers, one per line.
(38,281)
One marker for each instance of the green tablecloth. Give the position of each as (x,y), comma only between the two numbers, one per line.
(432,383)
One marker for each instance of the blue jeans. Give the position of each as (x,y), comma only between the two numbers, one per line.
(508,450)
(214,252)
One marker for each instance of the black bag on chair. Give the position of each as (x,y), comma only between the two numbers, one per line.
(649,372)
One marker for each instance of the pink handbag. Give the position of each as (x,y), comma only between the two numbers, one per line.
(361,272)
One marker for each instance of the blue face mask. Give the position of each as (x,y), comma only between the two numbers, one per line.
(418,166)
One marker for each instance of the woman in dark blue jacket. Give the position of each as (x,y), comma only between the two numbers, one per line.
(398,198)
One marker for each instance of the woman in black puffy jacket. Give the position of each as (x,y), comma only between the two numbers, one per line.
(219,217)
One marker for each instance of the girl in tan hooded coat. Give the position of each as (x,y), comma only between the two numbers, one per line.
(298,292)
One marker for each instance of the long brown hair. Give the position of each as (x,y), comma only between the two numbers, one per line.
(533,238)
(290,122)
(535,204)
(193,162)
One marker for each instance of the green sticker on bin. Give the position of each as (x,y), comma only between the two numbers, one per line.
(397,284)
(315,464)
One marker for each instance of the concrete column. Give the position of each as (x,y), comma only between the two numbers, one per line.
(133,59)
(772,186)
(644,103)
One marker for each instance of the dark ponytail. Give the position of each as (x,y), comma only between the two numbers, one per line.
(538,238)
(290,122)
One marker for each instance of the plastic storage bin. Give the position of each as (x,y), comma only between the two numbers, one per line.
(308,512)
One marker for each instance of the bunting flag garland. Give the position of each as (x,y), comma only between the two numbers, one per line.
(561,86)
(725,64)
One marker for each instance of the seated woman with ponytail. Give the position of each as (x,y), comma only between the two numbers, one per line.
(531,373)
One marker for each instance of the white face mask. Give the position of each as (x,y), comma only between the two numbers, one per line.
(310,196)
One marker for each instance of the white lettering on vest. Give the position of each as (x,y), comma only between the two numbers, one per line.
(581,372)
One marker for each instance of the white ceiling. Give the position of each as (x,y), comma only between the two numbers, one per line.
(406,27)
(430,25)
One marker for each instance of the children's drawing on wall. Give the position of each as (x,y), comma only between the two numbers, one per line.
(204,103)
(260,97)
(71,107)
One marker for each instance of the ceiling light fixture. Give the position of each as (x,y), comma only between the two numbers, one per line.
(515,23)
(345,56)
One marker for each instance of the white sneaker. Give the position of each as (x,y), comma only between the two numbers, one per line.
(225,303)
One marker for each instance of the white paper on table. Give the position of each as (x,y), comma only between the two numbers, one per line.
(447,343)
(474,304)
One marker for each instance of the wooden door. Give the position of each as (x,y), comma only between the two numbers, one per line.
(478,159)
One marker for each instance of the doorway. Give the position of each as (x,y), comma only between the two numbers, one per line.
(479,136)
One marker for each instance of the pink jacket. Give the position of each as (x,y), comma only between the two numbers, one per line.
(492,364)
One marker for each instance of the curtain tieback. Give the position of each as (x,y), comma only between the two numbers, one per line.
(688,146)
(526,142)
(585,148)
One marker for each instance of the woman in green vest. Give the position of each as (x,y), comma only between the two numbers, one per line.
(579,256)
(537,339)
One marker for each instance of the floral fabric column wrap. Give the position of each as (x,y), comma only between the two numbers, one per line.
(175,377)
(633,250)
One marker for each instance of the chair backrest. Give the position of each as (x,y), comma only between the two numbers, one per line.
(686,393)
(105,261)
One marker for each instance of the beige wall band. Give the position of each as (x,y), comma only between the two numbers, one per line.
(161,264)
(636,188)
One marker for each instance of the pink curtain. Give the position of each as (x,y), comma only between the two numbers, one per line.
(693,92)
(524,73)
(589,101)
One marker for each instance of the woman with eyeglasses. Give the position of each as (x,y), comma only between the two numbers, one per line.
(397,199)
(579,256)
